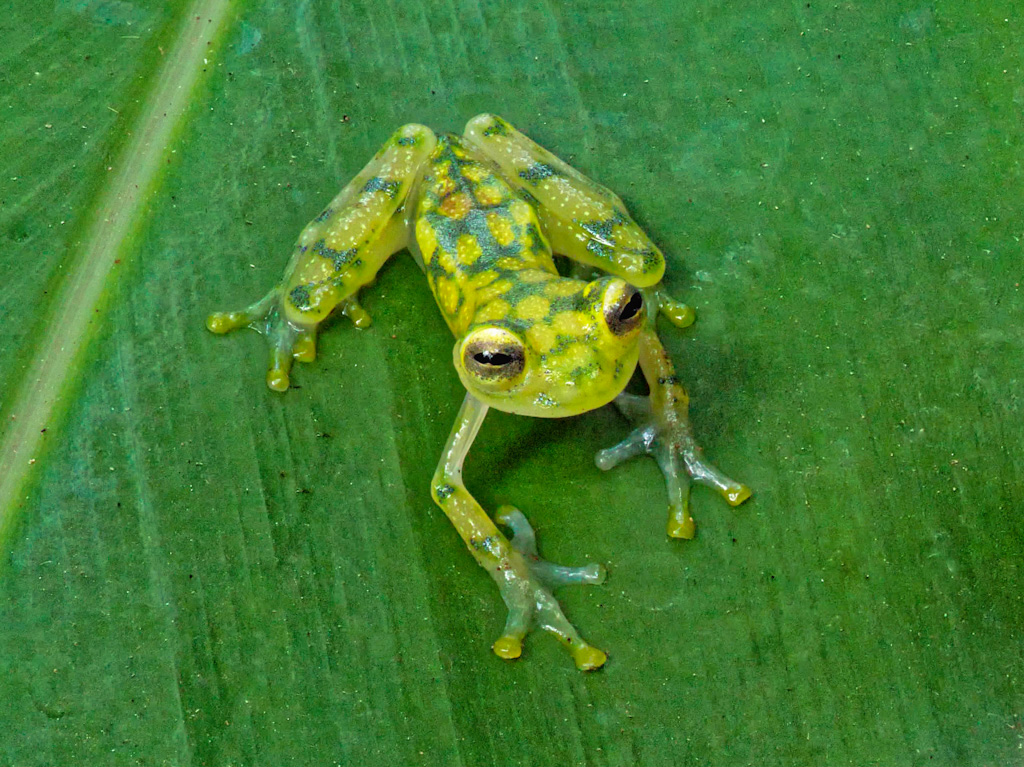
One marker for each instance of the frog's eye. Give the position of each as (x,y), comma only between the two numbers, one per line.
(493,356)
(623,308)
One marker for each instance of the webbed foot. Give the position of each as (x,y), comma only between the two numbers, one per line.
(525,581)
(671,444)
(288,340)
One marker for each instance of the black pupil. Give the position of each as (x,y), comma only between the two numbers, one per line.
(492,358)
(632,307)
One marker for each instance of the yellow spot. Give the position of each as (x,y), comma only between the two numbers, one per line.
(443,186)
(533,308)
(446,261)
(501,228)
(475,173)
(492,291)
(563,287)
(467,250)
(511,263)
(536,261)
(447,295)
(489,194)
(495,310)
(455,205)
(541,337)
(482,280)
(535,275)
(462,317)
(426,238)
(570,323)
(521,212)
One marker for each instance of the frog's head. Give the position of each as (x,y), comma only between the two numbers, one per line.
(555,356)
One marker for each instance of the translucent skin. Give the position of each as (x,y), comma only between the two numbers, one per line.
(489,266)
(482,215)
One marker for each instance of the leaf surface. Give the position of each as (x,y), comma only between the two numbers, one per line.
(201,571)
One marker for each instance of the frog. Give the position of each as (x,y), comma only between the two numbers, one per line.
(483,214)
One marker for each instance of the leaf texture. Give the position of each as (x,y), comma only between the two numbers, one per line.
(201,571)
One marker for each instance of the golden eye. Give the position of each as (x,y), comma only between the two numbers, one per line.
(623,309)
(493,355)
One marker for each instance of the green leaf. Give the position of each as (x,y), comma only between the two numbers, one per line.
(201,571)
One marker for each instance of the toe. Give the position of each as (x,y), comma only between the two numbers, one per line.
(681,525)
(587,657)
(737,495)
(508,647)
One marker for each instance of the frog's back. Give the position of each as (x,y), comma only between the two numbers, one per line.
(478,236)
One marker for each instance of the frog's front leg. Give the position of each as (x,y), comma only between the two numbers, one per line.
(663,431)
(523,578)
(339,252)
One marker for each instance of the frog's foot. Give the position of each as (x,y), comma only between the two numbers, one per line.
(660,302)
(525,581)
(679,457)
(288,340)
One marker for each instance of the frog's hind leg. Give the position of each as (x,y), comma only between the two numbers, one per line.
(538,607)
(286,341)
(524,540)
(582,219)
(663,432)
(225,322)
(338,253)
(523,578)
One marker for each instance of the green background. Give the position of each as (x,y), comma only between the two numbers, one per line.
(207,572)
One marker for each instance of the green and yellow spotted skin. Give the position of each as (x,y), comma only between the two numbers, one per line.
(342,249)
(478,213)
(581,218)
(482,214)
(476,235)
(489,265)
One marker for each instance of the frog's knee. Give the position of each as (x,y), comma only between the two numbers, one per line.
(441,490)
(487,124)
(413,134)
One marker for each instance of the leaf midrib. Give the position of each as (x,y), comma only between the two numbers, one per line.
(117,214)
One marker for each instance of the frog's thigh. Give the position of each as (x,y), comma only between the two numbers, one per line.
(338,252)
(582,219)
(343,248)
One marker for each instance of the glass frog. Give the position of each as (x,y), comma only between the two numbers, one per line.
(482,214)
